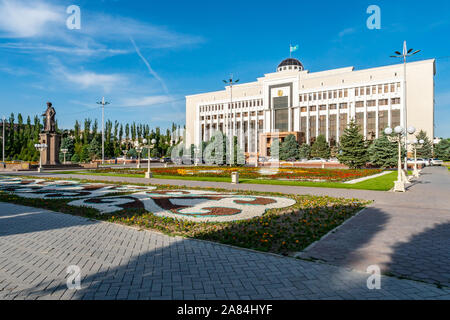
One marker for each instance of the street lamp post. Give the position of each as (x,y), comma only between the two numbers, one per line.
(138,149)
(401,178)
(148,174)
(125,151)
(230,82)
(40,147)
(405,54)
(103,103)
(64,151)
(3,140)
(417,144)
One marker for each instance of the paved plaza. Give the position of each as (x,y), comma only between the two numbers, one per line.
(117,262)
(407,235)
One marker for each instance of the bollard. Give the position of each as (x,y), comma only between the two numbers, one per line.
(235,177)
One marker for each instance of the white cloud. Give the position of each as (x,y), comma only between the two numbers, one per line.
(24,19)
(92,79)
(147,101)
(345,32)
(89,79)
(33,47)
(44,26)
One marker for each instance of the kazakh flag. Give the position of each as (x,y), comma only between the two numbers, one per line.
(293,48)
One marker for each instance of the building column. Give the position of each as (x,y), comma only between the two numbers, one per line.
(338,122)
(290,119)
(327,126)
(377,122)
(317,121)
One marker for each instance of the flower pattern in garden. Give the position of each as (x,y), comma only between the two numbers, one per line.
(192,205)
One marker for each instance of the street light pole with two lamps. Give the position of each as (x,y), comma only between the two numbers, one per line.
(398,132)
(138,149)
(148,174)
(405,54)
(40,147)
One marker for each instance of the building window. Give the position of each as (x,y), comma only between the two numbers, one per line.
(333,106)
(383,102)
(345,93)
(371,118)
(361,91)
(303,109)
(322,125)
(312,129)
(360,121)
(371,103)
(340,93)
(374,89)
(332,127)
(323,107)
(303,124)
(330,95)
(383,121)
(380,89)
(392,87)
(395,118)
(320,96)
(343,105)
(335,94)
(356,92)
(312,108)
(359,104)
(342,123)
(300,98)
(281,120)
(367,90)
(395,101)
(386,88)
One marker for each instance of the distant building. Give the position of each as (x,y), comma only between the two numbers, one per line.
(294,101)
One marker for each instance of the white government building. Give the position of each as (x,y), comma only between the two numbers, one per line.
(293,100)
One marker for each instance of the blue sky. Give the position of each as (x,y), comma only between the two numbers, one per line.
(145,56)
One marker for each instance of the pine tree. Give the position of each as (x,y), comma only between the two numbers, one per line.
(304,151)
(353,151)
(289,148)
(275,149)
(320,148)
(383,153)
(426,149)
(442,150)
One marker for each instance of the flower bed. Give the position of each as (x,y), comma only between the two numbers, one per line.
(295,174)
(287,223)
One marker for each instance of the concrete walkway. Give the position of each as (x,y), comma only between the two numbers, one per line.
(117,262)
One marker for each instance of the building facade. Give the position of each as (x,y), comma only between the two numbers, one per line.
(307,104)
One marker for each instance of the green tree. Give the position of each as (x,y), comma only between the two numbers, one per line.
(289,148)
(320,148)
(353,149)
(304,151)
(275,149)
(84,154)
(383,153)
(442,150)
(67,143)
(426,150)
(95,149)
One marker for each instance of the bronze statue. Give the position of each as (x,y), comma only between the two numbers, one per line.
(49,122)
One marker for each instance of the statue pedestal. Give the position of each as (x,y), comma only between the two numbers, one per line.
(50,156)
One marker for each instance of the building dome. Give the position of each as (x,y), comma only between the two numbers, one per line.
(290,64)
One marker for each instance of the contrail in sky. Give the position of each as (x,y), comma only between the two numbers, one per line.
(152,72)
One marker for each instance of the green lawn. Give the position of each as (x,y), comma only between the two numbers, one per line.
(383,183)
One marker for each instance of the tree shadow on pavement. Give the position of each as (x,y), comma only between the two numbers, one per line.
(425,257)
